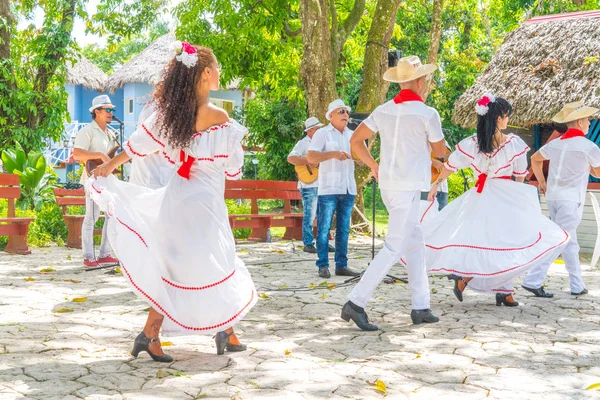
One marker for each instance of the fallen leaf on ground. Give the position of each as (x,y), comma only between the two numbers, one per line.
(263,295)
(331,286)
(64,310)
(379,386)
(287,352)
(324,296)
(29,279)
(277,250)
(160,374)
(418,355)
(433,290)
(245,251)
(48,270)
(72,280)
(559,261)
(593,386)
(79,300)
(166,344)
(118,270)
(312,286)
(283,287)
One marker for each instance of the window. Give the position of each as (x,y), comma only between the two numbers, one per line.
(129,103)
(227,105)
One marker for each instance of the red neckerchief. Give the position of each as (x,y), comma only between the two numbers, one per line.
(572,132)
(407,95)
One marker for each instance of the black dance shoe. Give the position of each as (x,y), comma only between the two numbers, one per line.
(222,342)
(357,314)
(423,316)
(142,343)
(501,298)
(539,292)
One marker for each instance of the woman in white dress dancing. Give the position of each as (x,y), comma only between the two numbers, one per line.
(495,231)
(175,244)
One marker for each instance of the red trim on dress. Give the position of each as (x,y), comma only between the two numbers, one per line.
(505,270)
(152,136)
(165,155)
(97,191)
(475,168)
(135,152)
(488,248)
(450,166)
(501,147)
(233,175)
(132,230)
(212,128)
(191,328)
(521,173)
(503,290)
(513,157)
(464,152)
(199,287)
(426,211)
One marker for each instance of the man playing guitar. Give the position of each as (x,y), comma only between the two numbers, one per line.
(307,182)
(94,142)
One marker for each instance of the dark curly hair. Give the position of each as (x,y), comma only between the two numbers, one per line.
(486,124)
(177,100)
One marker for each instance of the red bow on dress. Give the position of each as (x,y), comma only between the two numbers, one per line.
(184,170)
(482,178)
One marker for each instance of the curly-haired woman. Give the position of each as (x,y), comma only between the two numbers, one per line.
(175,244)
(495,231)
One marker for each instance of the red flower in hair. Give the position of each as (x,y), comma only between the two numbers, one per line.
(188,48)
(484,101)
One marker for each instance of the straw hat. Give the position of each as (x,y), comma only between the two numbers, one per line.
(101,101)
(408,69)
(573,112)
(311,123)
(334,105)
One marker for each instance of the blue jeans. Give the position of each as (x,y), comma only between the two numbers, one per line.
(442,198)
(309,203)
(341,204)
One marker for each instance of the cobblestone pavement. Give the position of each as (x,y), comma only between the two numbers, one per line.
(299,348)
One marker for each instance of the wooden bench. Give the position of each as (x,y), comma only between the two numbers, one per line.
(260,223)
(73,197)
(15,228)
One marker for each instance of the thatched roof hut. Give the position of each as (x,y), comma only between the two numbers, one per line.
(547,62)
(83,72)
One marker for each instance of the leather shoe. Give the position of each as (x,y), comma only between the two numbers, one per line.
(584,291)
(346,272)
(324,272)
(359,317)
(331,249)
(310,248)
(423,316)
(539,292)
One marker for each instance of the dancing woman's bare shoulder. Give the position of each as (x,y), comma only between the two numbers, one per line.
(210,115)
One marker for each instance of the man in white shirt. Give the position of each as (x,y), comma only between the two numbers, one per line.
(409,132)
(330,148)
(309,191)
(572,158)
(93,142)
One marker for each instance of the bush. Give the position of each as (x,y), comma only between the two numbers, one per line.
(456,185)
(233,207)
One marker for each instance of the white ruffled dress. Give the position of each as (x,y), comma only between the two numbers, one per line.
(496,230)
(175,244)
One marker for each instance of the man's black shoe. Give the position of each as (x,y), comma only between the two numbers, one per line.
(346,272)
(423,316)
(331,248)
(539,292)
(357,314)
(324,272)
(310,248)
(584,291)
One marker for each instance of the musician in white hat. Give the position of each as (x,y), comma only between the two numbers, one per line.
(307,183)
(572,158)
(330,148)
(93,142)
(409,132)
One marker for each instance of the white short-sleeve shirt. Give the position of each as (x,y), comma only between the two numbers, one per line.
(301,150)
(406,130)
(92,138)
(570,163)
(335,176)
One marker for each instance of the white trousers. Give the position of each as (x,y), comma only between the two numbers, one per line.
(404,237)
(92,213)
(566,214)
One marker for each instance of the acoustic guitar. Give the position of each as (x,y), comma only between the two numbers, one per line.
(91,165)
(306,173)
(434,172)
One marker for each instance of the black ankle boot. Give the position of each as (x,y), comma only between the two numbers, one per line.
(358,316)
(457,292)
(501,299)
(142,343)
(222,342)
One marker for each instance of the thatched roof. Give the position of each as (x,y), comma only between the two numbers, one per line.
(544,64)
(83,72)
(148,66)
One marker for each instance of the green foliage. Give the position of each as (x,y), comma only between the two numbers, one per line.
(233,207)
(456,183)
(36,182)
(275,126)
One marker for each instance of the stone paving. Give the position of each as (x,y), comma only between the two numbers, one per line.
(299,348)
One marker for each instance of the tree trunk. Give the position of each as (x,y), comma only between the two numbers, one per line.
(55,54)
(435,36)
(7,21)
(7,24)
(374,87)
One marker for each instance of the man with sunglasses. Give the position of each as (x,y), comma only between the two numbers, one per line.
(93,142)
(330,148)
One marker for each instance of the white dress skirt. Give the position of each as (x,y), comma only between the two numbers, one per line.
(175,245)
(493,232)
